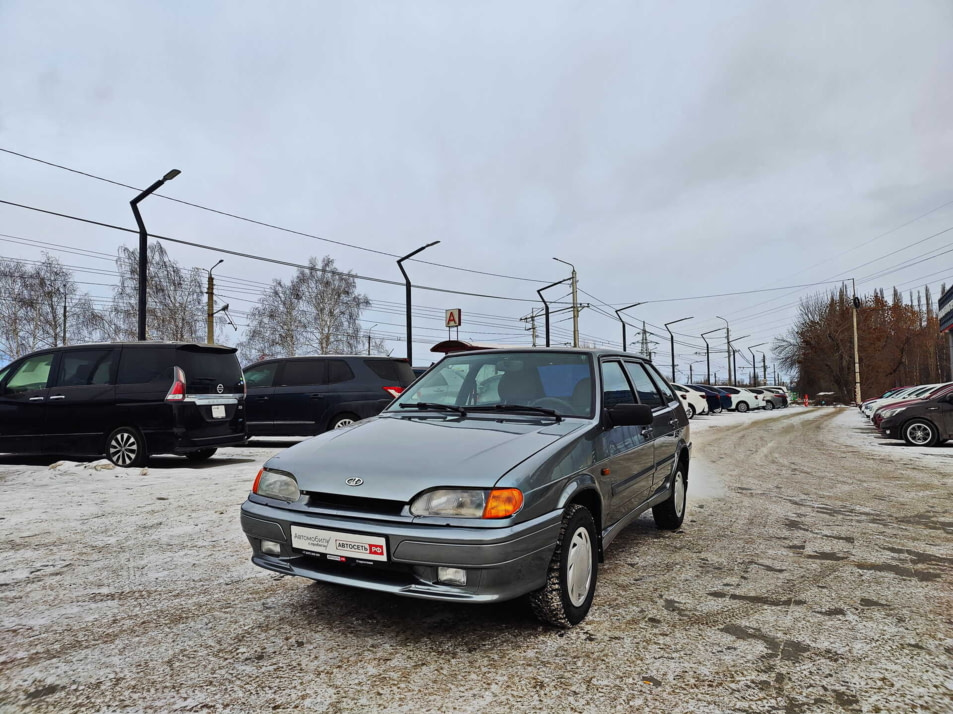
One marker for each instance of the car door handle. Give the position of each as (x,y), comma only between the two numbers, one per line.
(316,396)
(673,422)
(932,409)
(37,399)
(647,431)
(57,396)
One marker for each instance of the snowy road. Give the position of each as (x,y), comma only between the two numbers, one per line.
(814,573)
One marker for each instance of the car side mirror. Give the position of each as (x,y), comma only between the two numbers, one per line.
(630,415)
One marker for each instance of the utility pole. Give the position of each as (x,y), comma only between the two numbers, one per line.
(64,317)
(575,303)
(407,300)
(672,340)
(764,367)
(531,319)
(708,353)
(210,312)
(644,348)
(856,304)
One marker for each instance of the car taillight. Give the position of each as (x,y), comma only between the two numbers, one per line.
(393,391)
(177,390)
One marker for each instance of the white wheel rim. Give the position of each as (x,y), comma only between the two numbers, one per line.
(123,449)
(343,423)
(919,433)
(679,493)
(579,566)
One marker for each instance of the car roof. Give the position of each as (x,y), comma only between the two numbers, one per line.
(595,352)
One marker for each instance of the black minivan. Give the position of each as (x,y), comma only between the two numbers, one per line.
(126,400)
(304,396)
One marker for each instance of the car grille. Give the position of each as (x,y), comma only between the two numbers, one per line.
(355,504)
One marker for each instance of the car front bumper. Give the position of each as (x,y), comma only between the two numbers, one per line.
(500,563)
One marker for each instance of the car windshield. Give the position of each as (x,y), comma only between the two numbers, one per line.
(557,381)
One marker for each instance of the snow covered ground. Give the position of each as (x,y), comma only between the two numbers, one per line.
(813,574)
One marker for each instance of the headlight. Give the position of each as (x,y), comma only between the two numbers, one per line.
(276,484)
(891,412)
(468,503)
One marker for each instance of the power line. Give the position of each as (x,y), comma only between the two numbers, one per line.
(264,224)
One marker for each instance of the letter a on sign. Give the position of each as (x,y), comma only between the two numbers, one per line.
(453,318)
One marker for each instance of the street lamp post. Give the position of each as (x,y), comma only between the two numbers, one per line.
(625,347)
(410,339)
(764,366)
(369,337)
(672,340)
(143,250)
(708,353)
(575,303)
(754,365)
(546,304)
(733,360)
(728,341)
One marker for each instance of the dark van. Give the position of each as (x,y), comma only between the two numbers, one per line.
(304,396)
(124,400)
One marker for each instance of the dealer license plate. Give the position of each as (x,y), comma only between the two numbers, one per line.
(218,411)
(344,545)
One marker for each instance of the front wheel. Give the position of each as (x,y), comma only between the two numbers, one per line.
(566,597)
(126,447)
(920,432)
(742,407)
(670,513)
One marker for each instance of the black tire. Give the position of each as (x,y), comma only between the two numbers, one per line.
(566,597)
(343,420)
(690,409)
(920,432)
(201,455)
(670,513)
(769,405)
(126,447)
(741,407)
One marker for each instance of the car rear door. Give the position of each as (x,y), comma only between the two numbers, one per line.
(653,390)
(23,403)
(300,398)
(82,401)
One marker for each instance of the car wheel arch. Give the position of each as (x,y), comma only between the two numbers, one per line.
(584,491)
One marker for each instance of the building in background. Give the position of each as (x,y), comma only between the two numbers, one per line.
(945,306)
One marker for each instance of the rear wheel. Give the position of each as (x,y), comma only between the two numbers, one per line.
(691,411)
(126,447)
(670,513)
(566,597)
(742,407)
(769,405)
(201,455)
(920,432)
(343,420)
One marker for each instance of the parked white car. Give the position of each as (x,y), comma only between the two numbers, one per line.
(743,400)
(694,402)
(909,393)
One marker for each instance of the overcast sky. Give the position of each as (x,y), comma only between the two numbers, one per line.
(667,149)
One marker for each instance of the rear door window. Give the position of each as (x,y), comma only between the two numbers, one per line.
(339,371)
(79,368)
(145,366)
(644,386)
(304,373)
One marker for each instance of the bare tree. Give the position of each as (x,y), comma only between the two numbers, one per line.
(317,312)
(41,306)
(175,298)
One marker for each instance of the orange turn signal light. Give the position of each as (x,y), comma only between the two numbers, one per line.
(254,488)
(503,502)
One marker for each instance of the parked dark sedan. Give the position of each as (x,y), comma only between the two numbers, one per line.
(926,423)
(713,398)
(514,483)
(303,396)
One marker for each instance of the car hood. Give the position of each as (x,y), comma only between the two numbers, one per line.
(398,457)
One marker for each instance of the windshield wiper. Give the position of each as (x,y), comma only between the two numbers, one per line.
(518,408)
(434,406)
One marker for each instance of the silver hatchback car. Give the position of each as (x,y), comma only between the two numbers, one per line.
(512,483)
